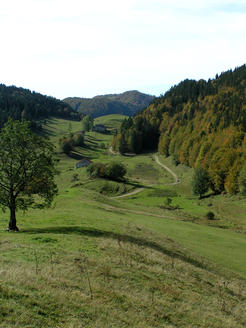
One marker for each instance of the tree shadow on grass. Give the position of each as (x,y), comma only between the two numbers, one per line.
(83,231)
(136,184)
(46,132)
(91,142)
(90,147)
(75,155)
(210,195)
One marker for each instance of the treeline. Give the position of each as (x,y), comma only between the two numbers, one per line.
(200,123)
(20,103)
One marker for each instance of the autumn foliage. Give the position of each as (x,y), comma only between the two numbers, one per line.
(200,123)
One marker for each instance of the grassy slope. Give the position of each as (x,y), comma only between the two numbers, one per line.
(112,121)
(86,262)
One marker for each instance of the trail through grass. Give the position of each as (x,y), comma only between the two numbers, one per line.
(94,261)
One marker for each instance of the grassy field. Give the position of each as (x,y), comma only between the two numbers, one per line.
(95,261)
(112,121)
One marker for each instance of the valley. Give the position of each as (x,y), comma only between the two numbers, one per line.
(151,259)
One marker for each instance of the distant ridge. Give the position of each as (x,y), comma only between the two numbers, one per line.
(126,103)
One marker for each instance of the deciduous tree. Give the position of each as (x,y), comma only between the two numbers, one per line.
(27,170)
(242,179)
(200,182)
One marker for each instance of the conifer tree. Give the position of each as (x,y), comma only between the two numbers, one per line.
(200,182)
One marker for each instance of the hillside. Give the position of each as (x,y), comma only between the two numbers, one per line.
(199,123)
(20,103)
(92,260)
(127,103)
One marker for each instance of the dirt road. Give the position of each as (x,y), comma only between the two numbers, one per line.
(166,184)
(169,170)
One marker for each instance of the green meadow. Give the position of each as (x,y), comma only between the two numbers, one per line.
(150,259)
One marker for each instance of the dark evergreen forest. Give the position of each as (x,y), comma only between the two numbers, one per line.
(20,103)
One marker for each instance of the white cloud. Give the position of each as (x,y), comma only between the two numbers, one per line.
(66,48)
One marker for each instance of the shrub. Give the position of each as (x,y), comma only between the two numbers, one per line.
(96,170)
(75,177)
(242,180)
(168,201)
(78,139)
(175,161)
(66,145)
(113,171)
(109,188)
(200,182)
(210,215)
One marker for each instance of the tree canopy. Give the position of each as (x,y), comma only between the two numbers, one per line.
(87,123)
(126,103)
(20,103)
(113,171)
(200,123)
(200,182)
(27,170)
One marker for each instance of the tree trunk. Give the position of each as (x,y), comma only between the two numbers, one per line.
(12,221)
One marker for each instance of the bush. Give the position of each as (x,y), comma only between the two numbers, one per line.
(242,180)
(175,161)
(210,215)
(78,139)
(113,171)
(200,181)
(109,188)
(96,170)
(66,145)
(75,177)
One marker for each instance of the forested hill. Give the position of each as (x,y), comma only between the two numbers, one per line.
(127,103)
(199,123)
(20,103)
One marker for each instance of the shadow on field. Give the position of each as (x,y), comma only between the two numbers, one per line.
(120,238)
(75,155)
(46,131)
(91,142)
(90,147)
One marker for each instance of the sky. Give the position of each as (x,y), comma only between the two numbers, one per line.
(83,48)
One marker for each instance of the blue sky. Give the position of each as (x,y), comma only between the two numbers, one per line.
(85,48)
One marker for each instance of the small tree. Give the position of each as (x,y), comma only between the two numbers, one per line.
(115,171)
(78,139)
(242,179)
(200,182)
(27,170)
(66,144)
(210,215)
(96,170)
(112,171)
(87,123)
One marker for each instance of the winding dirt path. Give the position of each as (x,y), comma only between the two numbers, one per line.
(130,193)
(141,189)
(112,152)
(169,170)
